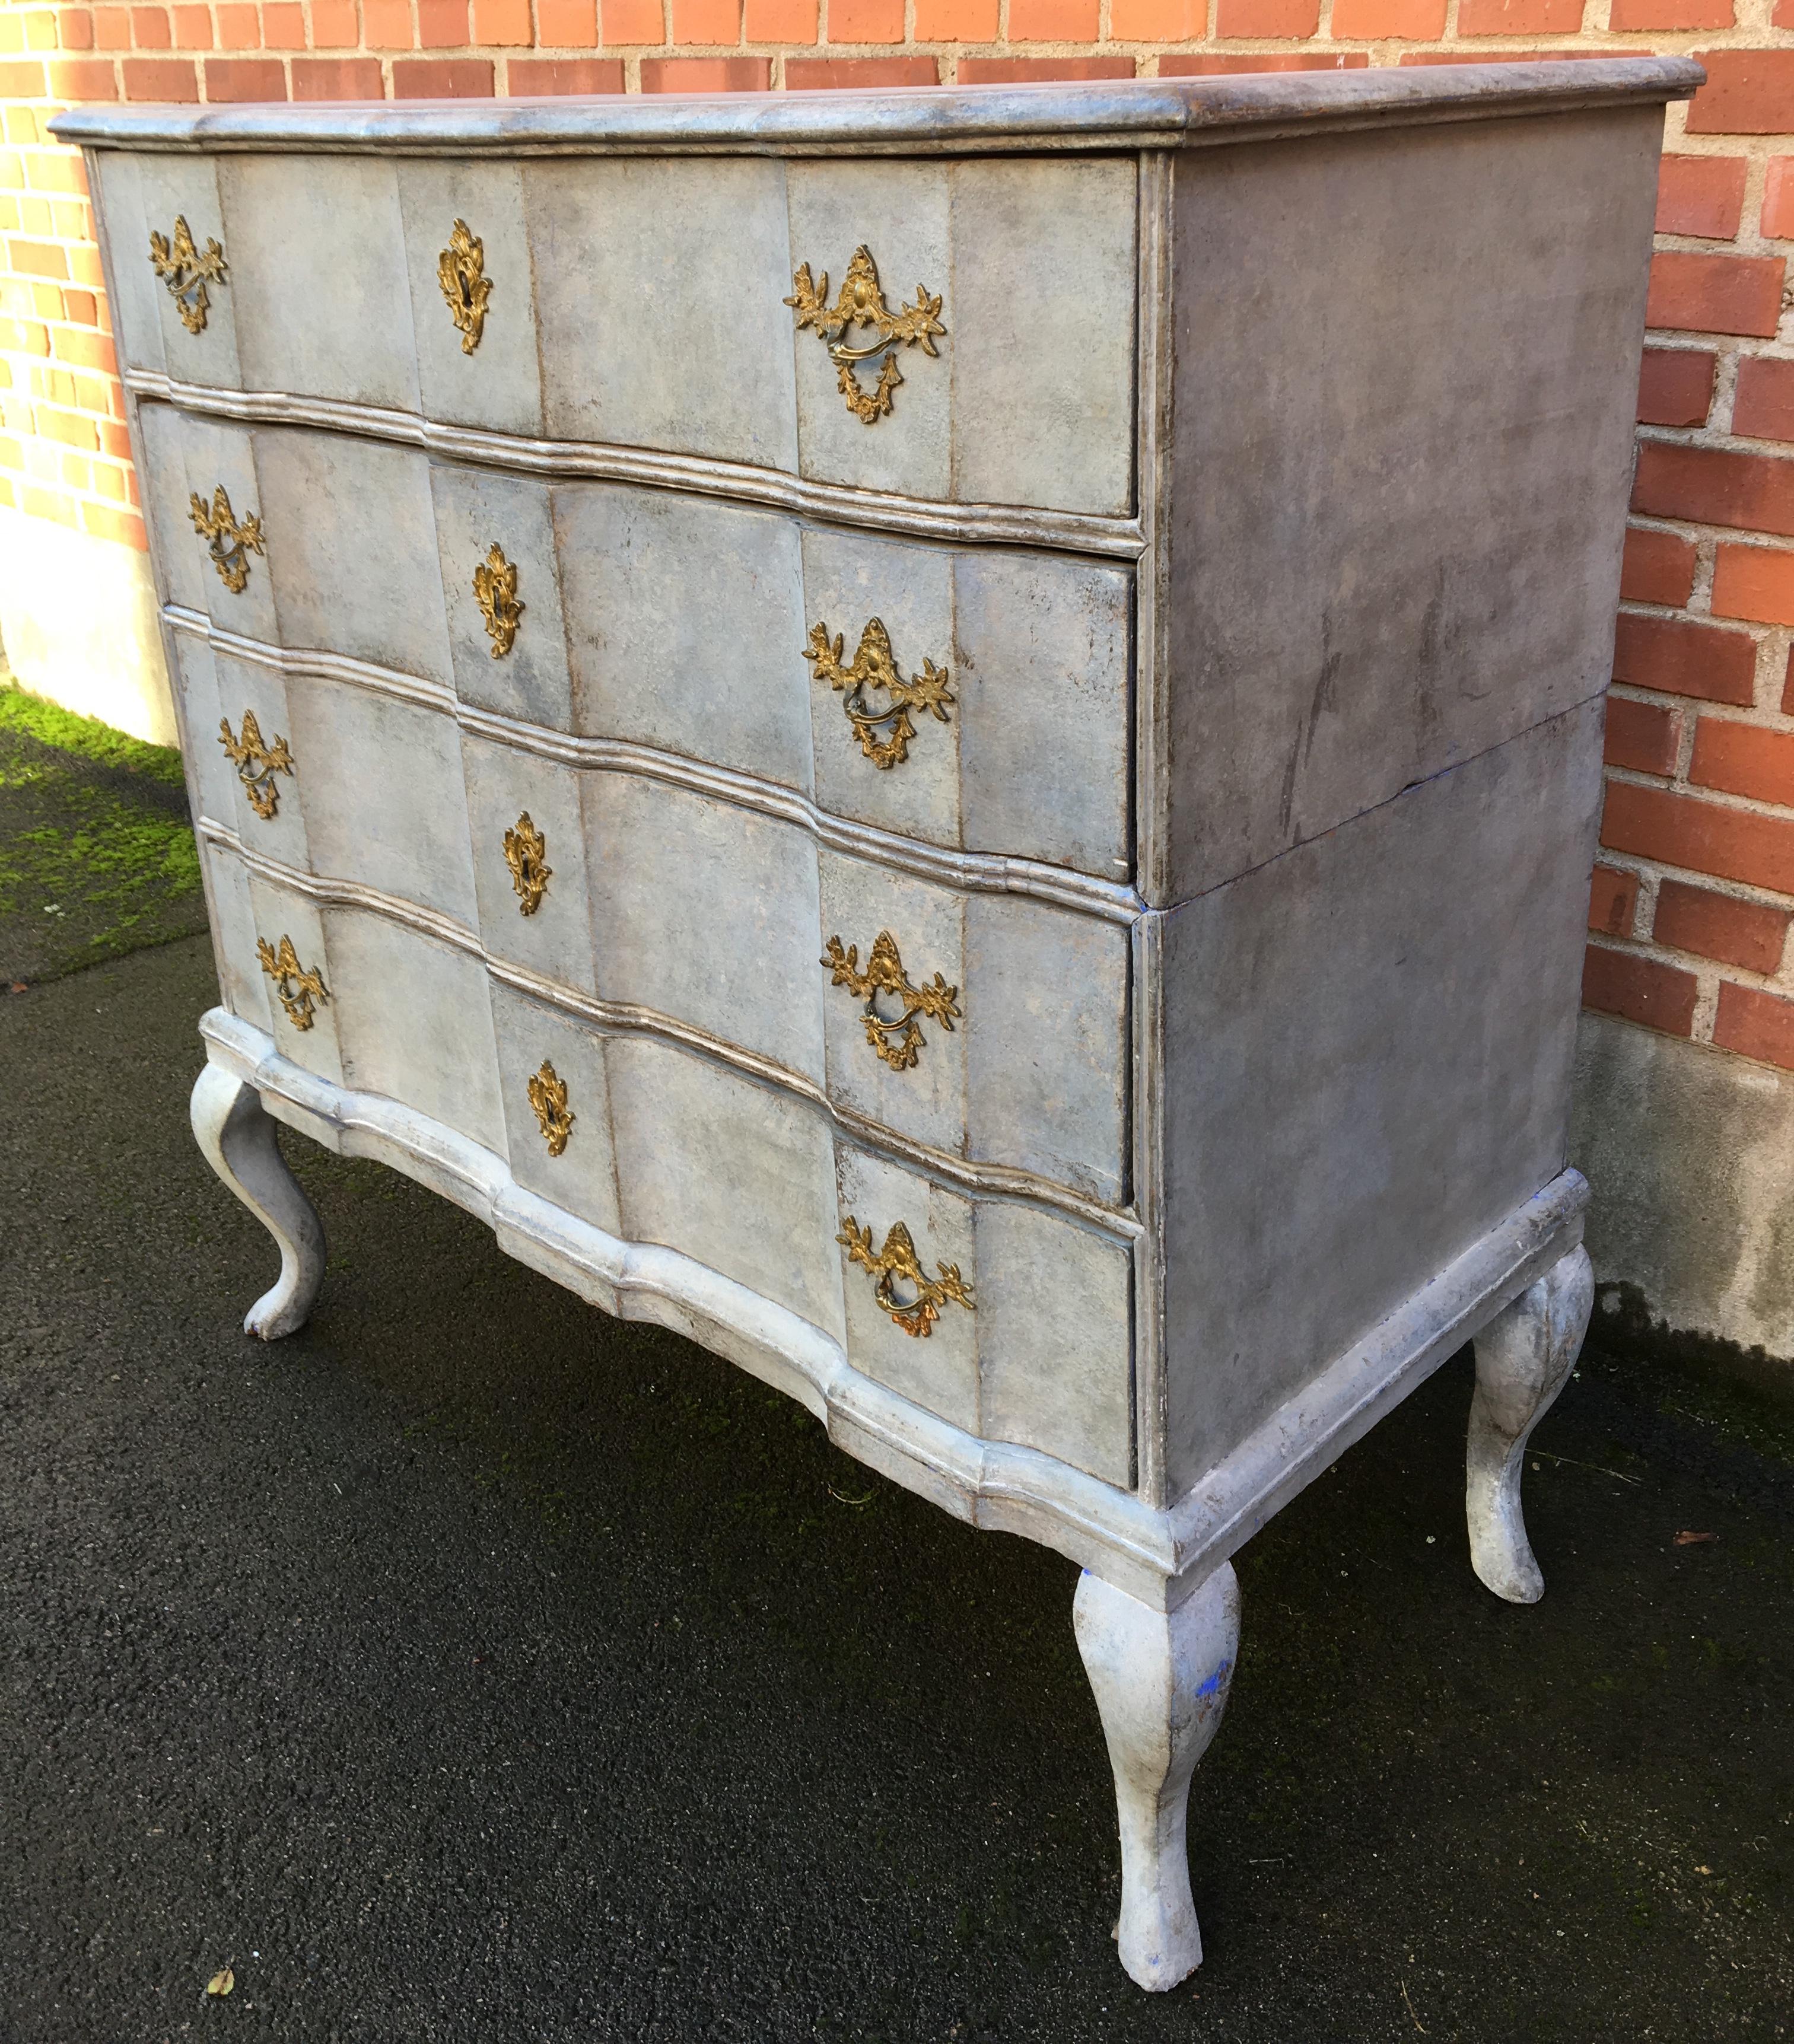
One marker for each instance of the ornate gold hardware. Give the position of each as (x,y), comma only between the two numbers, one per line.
(897,1259)
(898,1041)
(495,590)
(297,988)
(530,871)
(862,304)
(874,667)
(548,1095)
(461,272)
(256,764)
(228,543)
(186,272)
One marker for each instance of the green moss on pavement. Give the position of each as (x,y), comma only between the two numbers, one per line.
(97,853)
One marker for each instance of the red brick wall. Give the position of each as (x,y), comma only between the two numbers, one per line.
(1692,902)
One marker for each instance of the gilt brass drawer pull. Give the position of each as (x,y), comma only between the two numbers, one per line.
(466,287)
(229,544)
(862,304)
(298,988)
(495,591)
(548,1095)
(186,272)
(898,1040)
(897,1260)
(256,764)
(525,849)
(874,667)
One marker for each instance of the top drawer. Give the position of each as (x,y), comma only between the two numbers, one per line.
(642,302)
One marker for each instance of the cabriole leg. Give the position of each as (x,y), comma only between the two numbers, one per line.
(1161,1680)
(236,1133)
(1523,1360)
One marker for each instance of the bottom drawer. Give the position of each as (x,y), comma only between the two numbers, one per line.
(1008,1319)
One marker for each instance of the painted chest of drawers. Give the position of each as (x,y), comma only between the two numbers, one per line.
(949,740)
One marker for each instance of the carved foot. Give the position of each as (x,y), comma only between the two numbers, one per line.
(1523,1360)
(1161,1683)
(236,1133)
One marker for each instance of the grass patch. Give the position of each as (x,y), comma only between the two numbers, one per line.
(97,854)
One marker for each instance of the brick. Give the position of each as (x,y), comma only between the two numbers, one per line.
(1657,567)
(1748,933)
(871,21)
(193,28)
(283,25)
(1755,1024)
(86,349)
(566,25)
(67,428)
(1052,20)
(1261,17)
(334,25)
(1612,897)
(1763,406)
(239,78)
(38,259)
(1787,686)
(1744,759)
(1138,20)
(82,307)
(707,21)
(239,29)
(1640,989)
(1366,21)
(1699,836)
(337,78)
(1778,199)
(77,78)
(442,25)
(800,21)
(505,22)
(632,21)
(1679,657)
(111,28)
(1747,92)
(1700,195)
(104,523)
(48,503)
(442,78)
(866,74)
(1232,62)
(706,73)
(525,75)
(966,21)
(1676,386)
(386,24)
(40,28)
(1020,70)
(74,28)
(1643,736)
(1714,486)
(1756,583)
(21,81)
(1648,14)
(1702,294)
(150,28)
(1521,17)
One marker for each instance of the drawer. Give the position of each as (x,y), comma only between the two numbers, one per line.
(174,305)
(747,1180)
(322,542)
(683,622)
(728,921)
(1016,389)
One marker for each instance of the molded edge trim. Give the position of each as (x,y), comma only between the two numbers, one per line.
(1160,1557)
(1092,114)
(874,510)
(972,872)
(986,1180)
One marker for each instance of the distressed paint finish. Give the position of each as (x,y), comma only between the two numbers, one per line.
(1255,845)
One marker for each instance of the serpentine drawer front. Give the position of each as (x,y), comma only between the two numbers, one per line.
(870,725)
